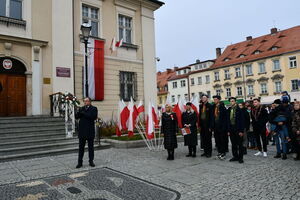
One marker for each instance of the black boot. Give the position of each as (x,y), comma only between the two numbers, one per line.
(278,155)
(190,152)
(297,157)
(169,154)
(172,154)
(284,157)
(194,152)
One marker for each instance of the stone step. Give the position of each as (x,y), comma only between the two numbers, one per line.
(25,130)
(31,124)
(40,147)
(53,152)
(29,119)
(32,136)
(4,144)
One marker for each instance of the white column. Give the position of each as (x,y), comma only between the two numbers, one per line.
(36,81)
(148,36)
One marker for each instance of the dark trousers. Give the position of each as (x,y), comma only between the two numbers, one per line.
(207,143)
(82,142)
(260,135)
(221,140)
(237,144)
(201,141)
(192,149)
(171,153)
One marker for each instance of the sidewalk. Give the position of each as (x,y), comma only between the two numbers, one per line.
(193,178)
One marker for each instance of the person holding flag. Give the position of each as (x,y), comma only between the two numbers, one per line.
(189,122)
(169,128)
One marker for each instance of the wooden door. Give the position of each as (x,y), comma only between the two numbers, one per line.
(3,95)
(13,95)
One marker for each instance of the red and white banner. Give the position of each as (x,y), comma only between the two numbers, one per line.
(179,108)
(133,114)
(123,115)
(140,107)
(152,120)
(95,70)
(195,104)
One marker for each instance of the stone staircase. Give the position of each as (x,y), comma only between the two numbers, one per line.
(35,136)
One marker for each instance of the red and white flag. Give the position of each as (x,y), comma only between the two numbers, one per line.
(152,120)
(168,102)
(123,116)
(114,44)
(195,104)
(140,107)
(133,114)
(95,70)
(179,108)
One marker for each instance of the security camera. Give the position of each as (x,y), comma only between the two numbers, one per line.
(157,59)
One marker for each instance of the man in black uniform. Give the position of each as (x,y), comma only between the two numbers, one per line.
(189,120)
(236,130)
(87,116)
(220,126)
(204,122)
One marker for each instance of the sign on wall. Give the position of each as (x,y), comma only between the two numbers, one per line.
(63,72)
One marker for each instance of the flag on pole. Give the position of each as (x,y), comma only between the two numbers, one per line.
(152,120)
(95,70)
(140,107)
(114,44)
(120,43)
(123,116)
(168,102)
(179,108)
(133,114)
(195,103)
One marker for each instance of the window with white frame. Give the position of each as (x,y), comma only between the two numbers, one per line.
(249,70)
(250,90)
(218,92)
(239,91)
(173,98)
(278,87)
(263,88)
(128,85)
(207,79)
(90,15)
(192,81)
(178,96)
(174,84)
(217,76)
(262,67)
(228,92)
(182,83)
(295,85)
(227,74)
(199,80)
(11,8)
(238,72)
(186,97)
(276,65)
(293,62)
(125,29)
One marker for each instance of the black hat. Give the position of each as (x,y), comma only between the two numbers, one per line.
(188,104)
(232,98)
(217,97)
(277,101)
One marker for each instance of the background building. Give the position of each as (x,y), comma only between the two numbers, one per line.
(162,85)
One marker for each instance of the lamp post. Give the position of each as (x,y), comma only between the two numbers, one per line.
(85,30)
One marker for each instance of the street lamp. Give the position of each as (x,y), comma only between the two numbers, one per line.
(86,30)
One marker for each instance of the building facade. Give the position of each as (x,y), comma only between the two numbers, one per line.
(162,86)
(260,67)
(41,52)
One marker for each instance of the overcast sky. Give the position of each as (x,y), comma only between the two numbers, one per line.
(187,30)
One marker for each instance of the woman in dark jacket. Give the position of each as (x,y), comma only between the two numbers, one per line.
(189,120)
(169,129)
(296,128)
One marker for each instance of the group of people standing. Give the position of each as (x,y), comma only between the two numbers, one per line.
(245,124)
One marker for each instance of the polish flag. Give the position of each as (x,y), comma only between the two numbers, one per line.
(123,116)
(120,43)
(115,44)
(140,107)
(152,120)
(95,70)
(133,114)
(168,102)
(179,108)
(195,104)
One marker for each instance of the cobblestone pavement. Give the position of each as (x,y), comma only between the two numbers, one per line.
(194,178)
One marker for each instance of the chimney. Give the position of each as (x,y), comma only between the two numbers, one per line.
(218,52)
(273,30)
(249,38)
(175,68)
(169,71)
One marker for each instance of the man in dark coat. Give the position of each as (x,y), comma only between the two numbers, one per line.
(169,129)
(219,126)
(236,131)
(87,116)
(260,117)
(205,127)
(189,120)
